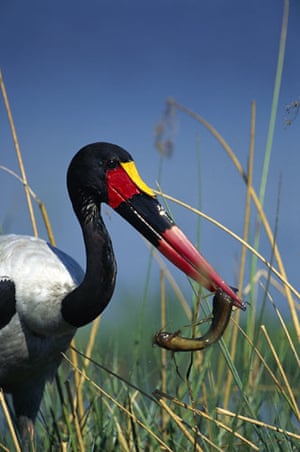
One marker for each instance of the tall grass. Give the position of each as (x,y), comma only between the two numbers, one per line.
(240,394)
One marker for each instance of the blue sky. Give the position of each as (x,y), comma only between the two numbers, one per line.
(78,72)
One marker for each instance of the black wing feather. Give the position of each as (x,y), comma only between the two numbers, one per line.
(7,300)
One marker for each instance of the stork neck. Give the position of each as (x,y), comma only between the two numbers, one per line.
(91,297)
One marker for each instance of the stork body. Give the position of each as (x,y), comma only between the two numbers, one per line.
(44,294)
(34,279)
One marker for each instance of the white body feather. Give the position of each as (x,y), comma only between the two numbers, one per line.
(30,344)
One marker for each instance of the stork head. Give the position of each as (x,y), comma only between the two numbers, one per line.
(104,172)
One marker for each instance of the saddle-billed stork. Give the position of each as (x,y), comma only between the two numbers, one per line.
(44,294)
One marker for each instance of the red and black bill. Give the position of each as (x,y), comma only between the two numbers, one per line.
(136,202)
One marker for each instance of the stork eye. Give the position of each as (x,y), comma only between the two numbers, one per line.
(111,164)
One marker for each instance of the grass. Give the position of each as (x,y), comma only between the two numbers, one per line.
(240,394)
